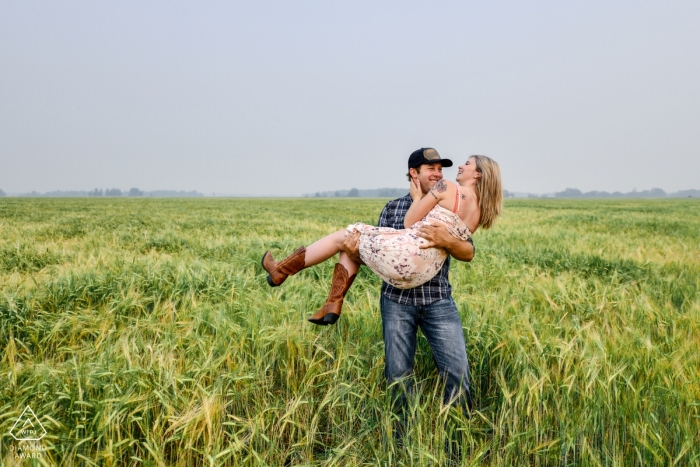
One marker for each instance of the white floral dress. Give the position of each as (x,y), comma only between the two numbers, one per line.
(396,256)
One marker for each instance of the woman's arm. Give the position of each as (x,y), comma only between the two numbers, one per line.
(422,206)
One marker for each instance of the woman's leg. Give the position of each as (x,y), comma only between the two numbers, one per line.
(324,248)
(302,258)
(351,266)
(343,276)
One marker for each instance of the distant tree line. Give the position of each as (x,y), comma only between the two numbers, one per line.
(173,194)
(576,193)
(567,193)
(653,193)
(115,193)
(355,193)
(376,193)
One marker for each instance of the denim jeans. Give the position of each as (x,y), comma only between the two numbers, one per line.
(442,328)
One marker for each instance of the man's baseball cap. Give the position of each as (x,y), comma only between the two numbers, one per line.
(426,156)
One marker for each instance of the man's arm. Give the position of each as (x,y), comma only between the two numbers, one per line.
(438,237)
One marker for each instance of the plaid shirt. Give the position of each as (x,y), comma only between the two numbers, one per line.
(435,289)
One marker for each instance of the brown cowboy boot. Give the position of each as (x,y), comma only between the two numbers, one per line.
(330,311)
(289,266)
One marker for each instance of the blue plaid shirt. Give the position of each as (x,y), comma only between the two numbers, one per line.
(435,289)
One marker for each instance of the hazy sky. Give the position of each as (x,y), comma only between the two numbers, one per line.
(284,98)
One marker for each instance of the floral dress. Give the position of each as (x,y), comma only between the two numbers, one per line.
(396,256)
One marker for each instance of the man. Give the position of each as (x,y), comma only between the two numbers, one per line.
(429,307)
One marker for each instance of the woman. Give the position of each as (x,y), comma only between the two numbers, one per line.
(396,255)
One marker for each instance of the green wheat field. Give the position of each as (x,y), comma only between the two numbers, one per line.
(142,332)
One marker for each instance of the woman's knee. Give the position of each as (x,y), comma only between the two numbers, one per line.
(339,237)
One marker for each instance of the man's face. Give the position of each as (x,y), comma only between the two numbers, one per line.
(428,176)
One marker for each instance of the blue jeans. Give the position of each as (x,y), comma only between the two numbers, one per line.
(442,328)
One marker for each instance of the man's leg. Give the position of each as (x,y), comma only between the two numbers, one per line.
(399,323)
(442,328)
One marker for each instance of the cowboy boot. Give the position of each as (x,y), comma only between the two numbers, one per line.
(330,311)
(278,272)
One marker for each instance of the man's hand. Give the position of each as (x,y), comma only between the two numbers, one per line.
(438,237)
(351,246)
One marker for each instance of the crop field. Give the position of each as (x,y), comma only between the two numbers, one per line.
(142,332)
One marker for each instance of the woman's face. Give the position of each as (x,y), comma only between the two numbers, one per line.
(468,171)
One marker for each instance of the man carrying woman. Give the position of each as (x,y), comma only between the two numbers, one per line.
(410,250)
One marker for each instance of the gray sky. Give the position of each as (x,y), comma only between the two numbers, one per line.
(284,98)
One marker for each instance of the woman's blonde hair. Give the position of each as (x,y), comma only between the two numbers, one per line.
(488,190)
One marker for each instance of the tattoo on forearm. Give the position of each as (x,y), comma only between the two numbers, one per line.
(434,196)
(440,186)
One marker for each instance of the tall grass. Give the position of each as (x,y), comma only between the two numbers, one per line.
(142,332)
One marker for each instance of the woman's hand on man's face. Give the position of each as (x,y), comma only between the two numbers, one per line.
(415,190)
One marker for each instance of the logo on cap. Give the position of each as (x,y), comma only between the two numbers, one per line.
(431,154)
